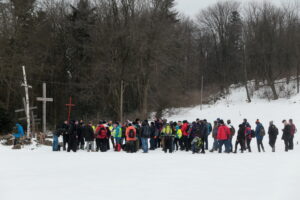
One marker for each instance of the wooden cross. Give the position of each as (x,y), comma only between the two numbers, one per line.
(44,99)
(26,86)
(70,105)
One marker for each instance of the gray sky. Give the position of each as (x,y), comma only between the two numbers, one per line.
(192,7)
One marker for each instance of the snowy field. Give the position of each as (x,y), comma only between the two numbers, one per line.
(37,173)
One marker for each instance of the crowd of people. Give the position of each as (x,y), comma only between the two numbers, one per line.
(169,136)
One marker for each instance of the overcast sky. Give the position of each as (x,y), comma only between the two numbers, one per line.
(192,7)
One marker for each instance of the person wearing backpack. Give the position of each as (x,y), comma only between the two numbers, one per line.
(240,139)
(293,131)
(272,132)
(131,139)
(101,137)
(249,133)
(145,135)
(259,134)
(232,133)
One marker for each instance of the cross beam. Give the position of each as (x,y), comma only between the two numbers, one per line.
(44,99)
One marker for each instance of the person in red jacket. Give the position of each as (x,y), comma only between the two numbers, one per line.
(101,137)
(185,135)
(223,136)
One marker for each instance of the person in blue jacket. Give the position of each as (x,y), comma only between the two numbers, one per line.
(19,134)
(259,134)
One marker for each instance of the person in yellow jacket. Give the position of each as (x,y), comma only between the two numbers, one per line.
(110,128)
(167,138)
(178,136)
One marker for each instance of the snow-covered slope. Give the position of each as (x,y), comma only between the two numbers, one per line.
(236,108)
(40,174)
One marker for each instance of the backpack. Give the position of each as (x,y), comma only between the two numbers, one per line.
(131,133)
(276,130)
(168,130)
(252,133)
(262,132)
(232,131)
(198,130)
(102,133)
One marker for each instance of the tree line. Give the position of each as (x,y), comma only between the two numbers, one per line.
(142,50)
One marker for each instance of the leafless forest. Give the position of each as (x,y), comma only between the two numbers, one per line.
(90,50)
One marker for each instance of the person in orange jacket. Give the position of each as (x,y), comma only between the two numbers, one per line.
(130,139)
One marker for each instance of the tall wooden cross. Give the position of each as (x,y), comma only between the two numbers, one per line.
(69,105)
(26,86)
(44,99)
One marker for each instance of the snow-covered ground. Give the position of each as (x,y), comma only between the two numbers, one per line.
(38,173)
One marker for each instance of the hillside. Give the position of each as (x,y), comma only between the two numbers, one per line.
(235,107)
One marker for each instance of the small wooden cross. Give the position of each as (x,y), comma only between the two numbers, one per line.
(69,105)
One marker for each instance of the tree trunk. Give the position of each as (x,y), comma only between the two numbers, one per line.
(272,85)
(145,100)
(246,76)
(298,89)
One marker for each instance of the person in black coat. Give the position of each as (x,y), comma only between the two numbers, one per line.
(199,129)
(89,136)
(273,132)
(286,136)
(240,139)
(152,137)
(73,136)
(65,135)
(80,140)
(145,132)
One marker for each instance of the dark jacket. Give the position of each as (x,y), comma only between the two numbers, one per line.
(152,130)
(286,132)
(65,128)
(74,131)
(88,133)
(196,130)
(273,131)
(241,133)
(204,130)
(145,131)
